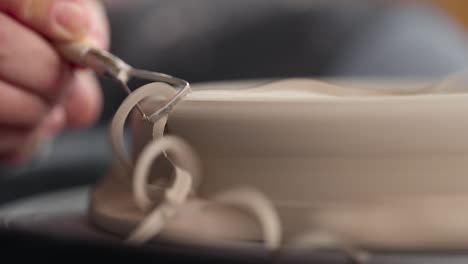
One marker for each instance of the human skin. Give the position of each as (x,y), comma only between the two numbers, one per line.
(40,93)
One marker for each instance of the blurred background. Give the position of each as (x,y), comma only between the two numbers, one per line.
(210,40)
(456,9)
(223,40)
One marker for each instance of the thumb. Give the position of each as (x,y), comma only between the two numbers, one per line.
(57,20)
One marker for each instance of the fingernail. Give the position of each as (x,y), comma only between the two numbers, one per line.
(97,41)
(54,123)
(98,30)
(70,20)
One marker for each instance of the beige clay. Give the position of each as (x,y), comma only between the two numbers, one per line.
(373,168)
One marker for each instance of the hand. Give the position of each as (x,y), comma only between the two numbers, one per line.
(40,93)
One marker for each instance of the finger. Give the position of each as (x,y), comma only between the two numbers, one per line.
(28,61)
(58,20)
(19,108)
(53,124)
(12,138)
(99,26)
(83,102)
(36,139)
